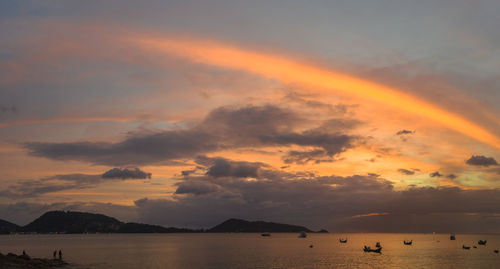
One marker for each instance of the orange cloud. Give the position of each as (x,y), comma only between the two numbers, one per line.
(289,71)
(370,215)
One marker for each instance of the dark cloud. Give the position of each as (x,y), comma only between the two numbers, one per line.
(406,171)
(187,172)
(353,203)
(141,149)
(126,173)
(405,132)
(225,168)
(303,157)
(36,187)
(480,160)
(8,109)
(223,128)
(250,122)
(196,187)
(435,174)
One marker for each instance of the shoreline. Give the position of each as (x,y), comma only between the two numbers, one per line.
(14,261)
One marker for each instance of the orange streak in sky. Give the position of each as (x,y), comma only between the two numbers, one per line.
(290,71)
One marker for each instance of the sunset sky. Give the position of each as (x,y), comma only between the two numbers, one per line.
(378,116)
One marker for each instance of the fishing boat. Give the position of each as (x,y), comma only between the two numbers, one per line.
(482,242)
(265,234)
(408,242)
(496,250)
(369,249)
(343,240)
(302,235)
(465,247)
(452,237)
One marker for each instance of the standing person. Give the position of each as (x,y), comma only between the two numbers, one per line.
(24,252)
(60,255)
(55,254)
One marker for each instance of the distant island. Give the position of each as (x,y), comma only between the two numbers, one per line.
(244,226)
(81,222)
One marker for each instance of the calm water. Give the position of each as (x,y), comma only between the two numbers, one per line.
(253,251)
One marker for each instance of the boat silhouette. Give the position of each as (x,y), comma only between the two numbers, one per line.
(342,240)
(482,242)
(465,247)
(369,249)
(408,242)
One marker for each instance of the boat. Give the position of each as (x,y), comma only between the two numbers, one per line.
(474,246)
(265,234)
(452,237)
(408,242)
(378,245)
(465,247)
(343,240)
(482,242)
(302,235)
(311,246)
(496,250)
(369,249)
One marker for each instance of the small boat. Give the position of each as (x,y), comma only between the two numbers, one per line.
(311,246)
(265,234)
(302,235)
(408,242)
(452,237)
(496,250)
(465,247)
(343,240)
(482,242)
(369,249)
(474,246)
(378,245)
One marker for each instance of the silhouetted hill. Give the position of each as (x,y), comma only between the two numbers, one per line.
(7,227)
(243,226)
(80,222)
(132,227)
(73,222)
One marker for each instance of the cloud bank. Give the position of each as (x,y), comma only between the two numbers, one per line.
(222,128)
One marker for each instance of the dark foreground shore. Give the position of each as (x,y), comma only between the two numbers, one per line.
(24,261)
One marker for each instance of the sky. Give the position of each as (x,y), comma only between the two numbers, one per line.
(352,116)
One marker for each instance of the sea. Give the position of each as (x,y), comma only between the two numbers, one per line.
(251,250)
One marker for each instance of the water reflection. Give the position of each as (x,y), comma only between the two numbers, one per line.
(254,251)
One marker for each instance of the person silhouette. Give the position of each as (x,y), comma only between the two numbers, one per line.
(24,252)
(55,254)
(60,255)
